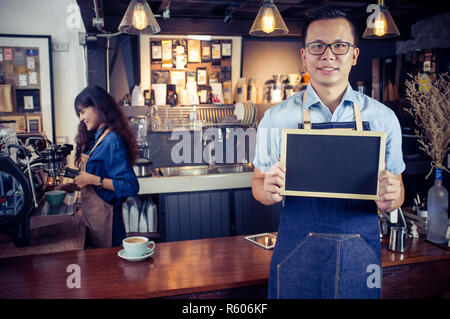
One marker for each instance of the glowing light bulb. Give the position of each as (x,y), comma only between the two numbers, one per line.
(139,17)
(380,27)
(268,21)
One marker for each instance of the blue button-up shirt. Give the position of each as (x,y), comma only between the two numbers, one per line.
(289,113)
(110,160)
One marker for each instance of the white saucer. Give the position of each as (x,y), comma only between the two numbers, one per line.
(122,254)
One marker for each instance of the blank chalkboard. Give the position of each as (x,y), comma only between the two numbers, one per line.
(332,163)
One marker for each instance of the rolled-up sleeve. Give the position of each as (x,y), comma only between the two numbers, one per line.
(267,150)
(119,169)
(394,156)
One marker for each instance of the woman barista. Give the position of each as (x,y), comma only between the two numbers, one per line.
(105,150)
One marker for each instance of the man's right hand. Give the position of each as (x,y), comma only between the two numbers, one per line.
(266,187)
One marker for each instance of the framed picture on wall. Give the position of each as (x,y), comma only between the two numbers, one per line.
(28,100)
(194,51)
(166,53)
(34,124)
(156,51)
(206,51)
(202,76)
(27,64)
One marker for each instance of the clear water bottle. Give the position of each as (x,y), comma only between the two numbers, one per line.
(437,211)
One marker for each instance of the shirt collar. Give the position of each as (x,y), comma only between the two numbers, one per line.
(312,98)
(100,131)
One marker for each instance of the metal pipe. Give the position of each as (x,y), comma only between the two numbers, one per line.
(96,8)
(31,183)
(108,41)
(97,14)
(108,44)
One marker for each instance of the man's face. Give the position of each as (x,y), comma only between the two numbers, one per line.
(329,69)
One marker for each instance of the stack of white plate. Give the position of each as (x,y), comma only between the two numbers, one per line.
(245,112)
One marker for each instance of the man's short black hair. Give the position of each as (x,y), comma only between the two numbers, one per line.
(326,13)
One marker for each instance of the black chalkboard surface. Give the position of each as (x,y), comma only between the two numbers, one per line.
(332,163)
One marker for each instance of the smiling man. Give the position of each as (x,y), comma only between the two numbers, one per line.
(326,247)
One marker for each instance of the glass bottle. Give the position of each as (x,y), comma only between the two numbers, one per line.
(156,121)
(437,210)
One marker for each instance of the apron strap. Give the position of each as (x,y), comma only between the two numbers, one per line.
(307,122)
(99,140)
(358,119)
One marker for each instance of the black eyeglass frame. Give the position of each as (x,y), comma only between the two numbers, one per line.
(330,46)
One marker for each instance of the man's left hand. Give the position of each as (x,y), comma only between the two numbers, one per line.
(390,191)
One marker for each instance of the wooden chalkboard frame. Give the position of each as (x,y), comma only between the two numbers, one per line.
(340,133)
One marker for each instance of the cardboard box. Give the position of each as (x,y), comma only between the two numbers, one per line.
(6,101)
(21,126)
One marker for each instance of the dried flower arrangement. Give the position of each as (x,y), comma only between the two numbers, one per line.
(430,107)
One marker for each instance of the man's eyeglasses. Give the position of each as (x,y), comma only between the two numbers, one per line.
(337,48)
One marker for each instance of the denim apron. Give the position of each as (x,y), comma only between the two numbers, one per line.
(97,214)
(327,247)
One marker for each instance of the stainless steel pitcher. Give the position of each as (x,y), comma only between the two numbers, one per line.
(399,239)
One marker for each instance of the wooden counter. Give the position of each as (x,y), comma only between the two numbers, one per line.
(199,268)
(208,182)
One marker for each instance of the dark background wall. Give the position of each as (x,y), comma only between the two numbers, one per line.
(124,66)
(368,50)
(263,55)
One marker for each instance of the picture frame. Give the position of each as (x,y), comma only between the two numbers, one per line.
(194,51)
(332,163)
(206,51)
(179,54)
(216,52)
(44,80)
(156,51)
(166,48)
(226,49)
(202,76)
(34,124)
(178,78)
(28,100)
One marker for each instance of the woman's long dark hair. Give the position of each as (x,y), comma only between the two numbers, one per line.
(110,113)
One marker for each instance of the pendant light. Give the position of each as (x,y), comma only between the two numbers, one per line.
(383,25)
(268,22)
(139,19)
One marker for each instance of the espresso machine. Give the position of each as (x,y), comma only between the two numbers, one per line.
(27,171)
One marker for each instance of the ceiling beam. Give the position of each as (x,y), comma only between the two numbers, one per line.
(195,26)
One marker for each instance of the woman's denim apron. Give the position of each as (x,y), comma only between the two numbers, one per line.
(104,221)
(327,247)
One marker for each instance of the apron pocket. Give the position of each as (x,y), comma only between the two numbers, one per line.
(309,270)
(360,270)
(330,266)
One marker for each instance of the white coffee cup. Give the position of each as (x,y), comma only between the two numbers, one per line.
(138,246)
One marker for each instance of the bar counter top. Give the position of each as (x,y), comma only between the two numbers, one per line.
(178,184)
(200,268)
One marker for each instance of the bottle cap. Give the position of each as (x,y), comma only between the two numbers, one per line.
(438,174)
